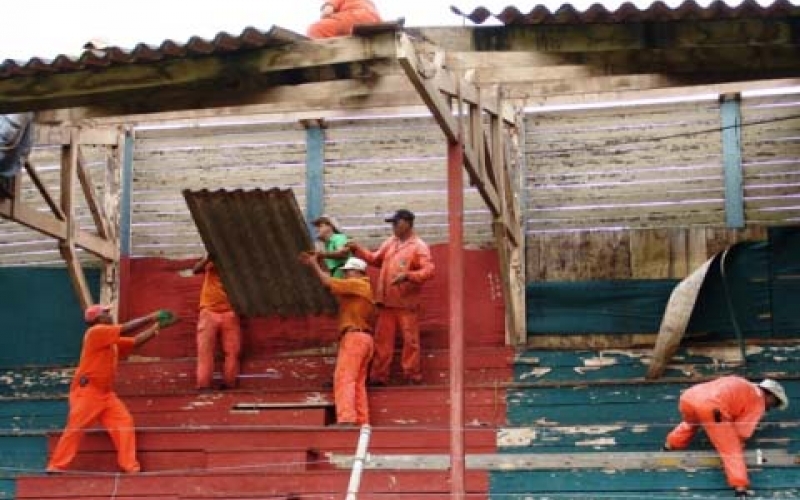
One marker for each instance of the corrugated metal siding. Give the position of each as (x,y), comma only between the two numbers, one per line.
(627,167)
(373,167)
(627,12)
(22,246)
(166,161)
(142,53)
(256,237)
(771,159)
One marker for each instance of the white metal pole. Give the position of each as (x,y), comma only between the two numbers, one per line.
(358,463)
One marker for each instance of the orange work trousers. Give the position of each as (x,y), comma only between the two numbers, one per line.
(350,378)
(723,436)
(340,23)
(87,406)
(389,320)
(226,324)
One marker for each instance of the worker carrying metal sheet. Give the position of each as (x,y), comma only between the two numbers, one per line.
(216,318)
(91,394)
(337,17)
(356,346)
(729,409)
(406,264)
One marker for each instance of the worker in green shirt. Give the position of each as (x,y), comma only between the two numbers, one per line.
(334,252)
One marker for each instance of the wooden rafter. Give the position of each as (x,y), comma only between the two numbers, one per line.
(42,188)
(486,160)
(61,224)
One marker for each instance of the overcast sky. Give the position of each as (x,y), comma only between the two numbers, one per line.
(46,28)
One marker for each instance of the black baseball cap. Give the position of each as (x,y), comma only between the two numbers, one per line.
(402,214)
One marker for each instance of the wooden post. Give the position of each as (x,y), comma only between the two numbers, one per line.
(69,167)
(455,215)
(315,166)
(110,284)
(125,208)
(731,117)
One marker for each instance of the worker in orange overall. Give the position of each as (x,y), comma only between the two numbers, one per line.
(405,263)
(729,409)
(337,17)
(91,394)
(216,317)
(356,312)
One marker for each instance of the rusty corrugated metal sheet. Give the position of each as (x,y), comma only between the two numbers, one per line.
(255,237)
(222,43)
(630,13)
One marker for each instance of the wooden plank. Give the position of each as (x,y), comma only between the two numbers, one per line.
(601,36)
(62,90)
(643,91)
(42,188)
(679,253)
(608,461)
(650,254)
(407,56)
(92,201)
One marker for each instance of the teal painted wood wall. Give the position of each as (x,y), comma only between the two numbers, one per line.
(41,318)
(598,402)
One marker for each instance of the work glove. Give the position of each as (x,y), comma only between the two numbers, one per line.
(165,318)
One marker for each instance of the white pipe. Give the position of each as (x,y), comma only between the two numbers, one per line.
(358,463)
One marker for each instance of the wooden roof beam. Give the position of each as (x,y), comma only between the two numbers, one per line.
(443,114)
(77,88)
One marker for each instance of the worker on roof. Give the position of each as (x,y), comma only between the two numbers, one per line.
(729,409)
(405,264)
(356,346)
(335,252)
(91,393)
(216,318)
(337,17)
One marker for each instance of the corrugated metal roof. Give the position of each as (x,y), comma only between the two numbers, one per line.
(223,43)
(255,237)
(628,12)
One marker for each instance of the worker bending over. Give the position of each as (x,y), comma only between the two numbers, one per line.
(405,263)
(356,312)
(729,409)
(91,394)
(337,17)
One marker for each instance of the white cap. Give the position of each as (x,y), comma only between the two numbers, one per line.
(355,264)
(776,390)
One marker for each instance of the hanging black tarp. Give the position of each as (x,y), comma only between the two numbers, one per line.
(16,138)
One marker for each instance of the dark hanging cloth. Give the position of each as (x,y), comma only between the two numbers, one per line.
(16,138)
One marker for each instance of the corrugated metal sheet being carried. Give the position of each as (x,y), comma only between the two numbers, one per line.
(255,237)
(630,13)
(223,43)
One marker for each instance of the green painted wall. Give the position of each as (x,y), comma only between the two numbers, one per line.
(40,316)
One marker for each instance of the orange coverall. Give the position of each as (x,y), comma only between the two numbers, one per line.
(356,347)
(92,398)
(346,14)
(217,316)
(398,304)
(739,405)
